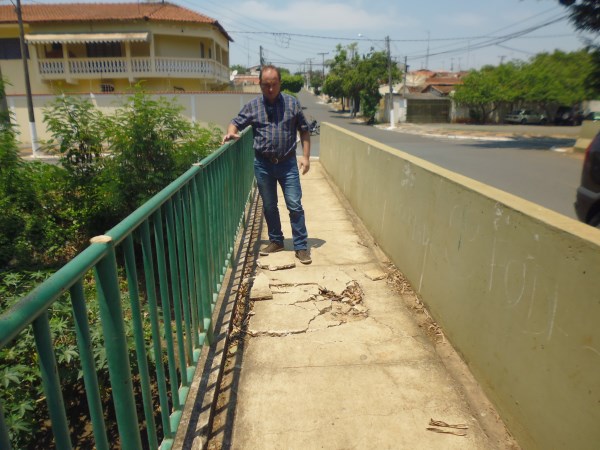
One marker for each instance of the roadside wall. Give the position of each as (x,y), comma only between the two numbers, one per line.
(216,108)
(514,286)
(589,129)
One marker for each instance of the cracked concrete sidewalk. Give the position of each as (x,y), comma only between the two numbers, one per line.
(334,357)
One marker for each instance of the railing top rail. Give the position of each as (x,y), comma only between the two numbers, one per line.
(27,309)
(210,158)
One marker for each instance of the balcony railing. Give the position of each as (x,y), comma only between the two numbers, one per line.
(97,65)
(118,67)
(181,242)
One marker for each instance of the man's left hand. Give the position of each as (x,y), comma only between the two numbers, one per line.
(304,165)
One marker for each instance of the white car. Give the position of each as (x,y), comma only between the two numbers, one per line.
(525,116)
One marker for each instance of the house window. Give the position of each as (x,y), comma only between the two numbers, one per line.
(10,48)
(103,49)
(210,53)
(201,50)
(55,51)
(107,87)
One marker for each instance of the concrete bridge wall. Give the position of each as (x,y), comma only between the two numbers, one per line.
(514,286)
(589,129)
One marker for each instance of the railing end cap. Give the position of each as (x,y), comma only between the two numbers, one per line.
(102,239)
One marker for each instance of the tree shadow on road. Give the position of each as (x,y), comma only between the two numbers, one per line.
(523,143)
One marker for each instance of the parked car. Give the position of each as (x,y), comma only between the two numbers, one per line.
(566,115)
(594,115)
(587,202)
(525,116)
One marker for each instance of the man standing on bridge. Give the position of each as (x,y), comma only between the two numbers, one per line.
(275,119)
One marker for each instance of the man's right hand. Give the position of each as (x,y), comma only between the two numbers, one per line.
(230,136)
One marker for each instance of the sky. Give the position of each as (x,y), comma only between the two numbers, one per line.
(434,34)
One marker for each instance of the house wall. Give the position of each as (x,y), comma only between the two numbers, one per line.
(515,287)
(12,69)
(204,108)
(177,46)
(170,40)
(430,110)
(459,114)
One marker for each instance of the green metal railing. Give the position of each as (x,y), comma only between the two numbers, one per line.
(182,242)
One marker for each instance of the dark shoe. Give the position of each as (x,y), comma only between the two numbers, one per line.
(303,256)
(273,247)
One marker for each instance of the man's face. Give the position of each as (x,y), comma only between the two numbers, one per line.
(270,85)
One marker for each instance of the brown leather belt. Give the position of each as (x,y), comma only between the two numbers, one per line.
(275,160)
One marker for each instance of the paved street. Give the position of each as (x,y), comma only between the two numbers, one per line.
(531,162)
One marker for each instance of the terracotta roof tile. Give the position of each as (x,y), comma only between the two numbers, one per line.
(444,80)
(440,88)
(102,12)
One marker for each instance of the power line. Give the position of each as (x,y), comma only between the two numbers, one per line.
(494,40)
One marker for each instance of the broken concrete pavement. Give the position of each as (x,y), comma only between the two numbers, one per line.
(334,358)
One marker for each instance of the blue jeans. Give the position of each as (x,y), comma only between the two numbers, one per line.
(286,173)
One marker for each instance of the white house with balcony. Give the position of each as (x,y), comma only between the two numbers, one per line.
(109,47)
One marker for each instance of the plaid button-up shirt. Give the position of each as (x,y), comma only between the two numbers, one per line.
(274,125)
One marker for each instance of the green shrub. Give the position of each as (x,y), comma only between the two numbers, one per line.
(78,132)
(21,392)
(50,211)
(198,143)
(151,144)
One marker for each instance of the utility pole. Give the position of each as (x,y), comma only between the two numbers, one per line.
(248,49)
(389,55)
(262,58)
(32,130)
(405,72)
(427,57)
(4,114)
(323,55)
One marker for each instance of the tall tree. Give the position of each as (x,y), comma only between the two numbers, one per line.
(546,81)
(479,92)
(584,14)
(241,70)
(373,71)
(338,71)
(559,78)
(291,83)
(358,78)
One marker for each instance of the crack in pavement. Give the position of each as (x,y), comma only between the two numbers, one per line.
(336,308)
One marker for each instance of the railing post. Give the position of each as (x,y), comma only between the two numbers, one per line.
(115,341)
(188,304)
(166,307)
(51,381)
(140,344)
(90,377)
(4,441)
(156,332)
(176,271)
